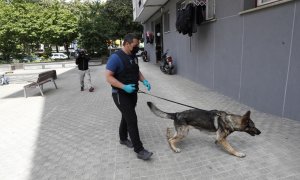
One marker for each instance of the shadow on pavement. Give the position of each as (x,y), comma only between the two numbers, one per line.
(76,140)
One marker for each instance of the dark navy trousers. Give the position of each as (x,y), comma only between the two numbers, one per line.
(126,103)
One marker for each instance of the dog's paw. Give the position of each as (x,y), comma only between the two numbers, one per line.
(177,150)
(241,155)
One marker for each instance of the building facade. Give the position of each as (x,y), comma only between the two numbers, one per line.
(248,50)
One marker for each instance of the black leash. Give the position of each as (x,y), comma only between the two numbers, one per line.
(166,99)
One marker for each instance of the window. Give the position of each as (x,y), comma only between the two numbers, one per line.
(167,21)
(263,2)
(210,10)
(208,6)
(254,5)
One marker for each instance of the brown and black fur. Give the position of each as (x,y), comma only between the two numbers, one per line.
(221,122)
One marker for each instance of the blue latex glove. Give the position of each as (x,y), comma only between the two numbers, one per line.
(147,84)
(129,88)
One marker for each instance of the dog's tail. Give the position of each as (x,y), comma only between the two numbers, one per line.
(159,112)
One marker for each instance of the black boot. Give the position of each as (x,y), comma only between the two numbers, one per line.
(127,143)
(144,154)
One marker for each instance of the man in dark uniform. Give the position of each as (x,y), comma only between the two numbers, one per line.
(82,62)
(122,72)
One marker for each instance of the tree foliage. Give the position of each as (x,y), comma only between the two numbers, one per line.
(60,25)
(120,13)
(8,31)
(94,28)
(100,23)
(25,24)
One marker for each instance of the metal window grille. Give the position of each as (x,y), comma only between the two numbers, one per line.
(263,2)
(210,8)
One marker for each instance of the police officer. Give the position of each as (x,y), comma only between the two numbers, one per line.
(123,74)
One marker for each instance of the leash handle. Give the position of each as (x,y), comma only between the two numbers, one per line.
(167,100)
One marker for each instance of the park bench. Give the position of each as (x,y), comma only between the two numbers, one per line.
(42,78)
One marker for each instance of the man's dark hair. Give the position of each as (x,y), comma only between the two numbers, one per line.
(129,38)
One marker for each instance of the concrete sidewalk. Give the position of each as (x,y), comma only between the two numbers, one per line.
(69,134)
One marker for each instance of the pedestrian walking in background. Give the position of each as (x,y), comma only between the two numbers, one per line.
(82,62)
(4,80)
(123,74)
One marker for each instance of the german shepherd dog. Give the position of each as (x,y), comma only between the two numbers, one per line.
(220,122)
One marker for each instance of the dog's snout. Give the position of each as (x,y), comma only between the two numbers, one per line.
(258,132)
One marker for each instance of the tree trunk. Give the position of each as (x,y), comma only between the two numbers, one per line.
(67,49)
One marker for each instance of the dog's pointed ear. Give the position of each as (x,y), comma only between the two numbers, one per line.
(247,114)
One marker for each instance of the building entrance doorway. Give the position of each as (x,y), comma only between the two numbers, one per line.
(158,41)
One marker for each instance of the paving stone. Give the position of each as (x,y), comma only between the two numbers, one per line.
(69,134)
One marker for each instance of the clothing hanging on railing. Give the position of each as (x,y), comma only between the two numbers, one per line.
(185,19)
(189,17)
(149,37)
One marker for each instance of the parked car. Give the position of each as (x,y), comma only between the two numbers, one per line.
(58,56)
(30,58)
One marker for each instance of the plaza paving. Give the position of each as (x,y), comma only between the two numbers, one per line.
(73,135)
